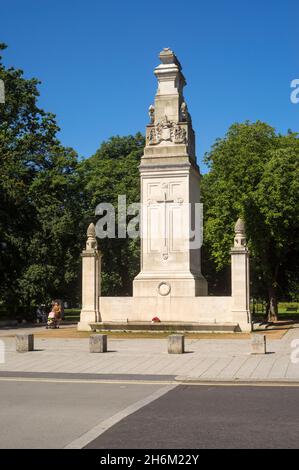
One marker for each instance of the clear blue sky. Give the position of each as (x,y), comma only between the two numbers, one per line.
(96,60)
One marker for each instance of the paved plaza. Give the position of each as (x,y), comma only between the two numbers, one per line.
(205,359)
(62,396)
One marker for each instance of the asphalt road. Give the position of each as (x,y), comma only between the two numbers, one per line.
(49,413)
(41,414)
(211,417)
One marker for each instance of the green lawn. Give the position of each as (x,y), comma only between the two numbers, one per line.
(72,314)
(283,309)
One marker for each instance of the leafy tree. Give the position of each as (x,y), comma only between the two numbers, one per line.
(110,172)
(254,174)
(40,210)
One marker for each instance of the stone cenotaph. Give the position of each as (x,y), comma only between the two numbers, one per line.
(170,284)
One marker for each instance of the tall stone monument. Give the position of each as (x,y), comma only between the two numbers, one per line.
(170,188)
(170,284)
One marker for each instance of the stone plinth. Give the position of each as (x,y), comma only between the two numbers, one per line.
(24,343)
(176,344)
(258,344)
(98,343)
(168,308)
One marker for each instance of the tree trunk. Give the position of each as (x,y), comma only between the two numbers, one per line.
(272,305)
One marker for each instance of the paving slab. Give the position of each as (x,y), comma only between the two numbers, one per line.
(210,359)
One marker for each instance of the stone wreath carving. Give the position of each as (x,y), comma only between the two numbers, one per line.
(167,131)
(164,288)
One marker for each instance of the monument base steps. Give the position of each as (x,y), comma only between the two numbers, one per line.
(177,327)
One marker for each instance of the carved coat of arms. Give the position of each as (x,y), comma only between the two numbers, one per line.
(167,131)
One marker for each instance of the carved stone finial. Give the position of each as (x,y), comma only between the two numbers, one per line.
(91,231)
(167,56)
(240,237)
(151,113)
(91,243)
(185,116)
(240,226)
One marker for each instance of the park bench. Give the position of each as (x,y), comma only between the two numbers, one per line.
(292,309)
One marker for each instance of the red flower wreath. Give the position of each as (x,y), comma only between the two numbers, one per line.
(156,320)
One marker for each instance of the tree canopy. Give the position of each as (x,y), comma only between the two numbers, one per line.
(40,211)
(254,174)
(111,172)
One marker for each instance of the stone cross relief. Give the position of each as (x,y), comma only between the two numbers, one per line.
(164,201)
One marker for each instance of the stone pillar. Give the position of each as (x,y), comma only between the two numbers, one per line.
(170,190)
(240,279)
(91,281)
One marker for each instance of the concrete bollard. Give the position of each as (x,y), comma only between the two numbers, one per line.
(176,344)
(258,344)
(98,343)
(24,343)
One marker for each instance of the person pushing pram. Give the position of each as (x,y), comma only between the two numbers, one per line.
(54,316)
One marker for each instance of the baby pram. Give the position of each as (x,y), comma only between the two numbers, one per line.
(53,321)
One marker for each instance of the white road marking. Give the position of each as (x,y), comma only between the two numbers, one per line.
(100,428)
(179,380)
